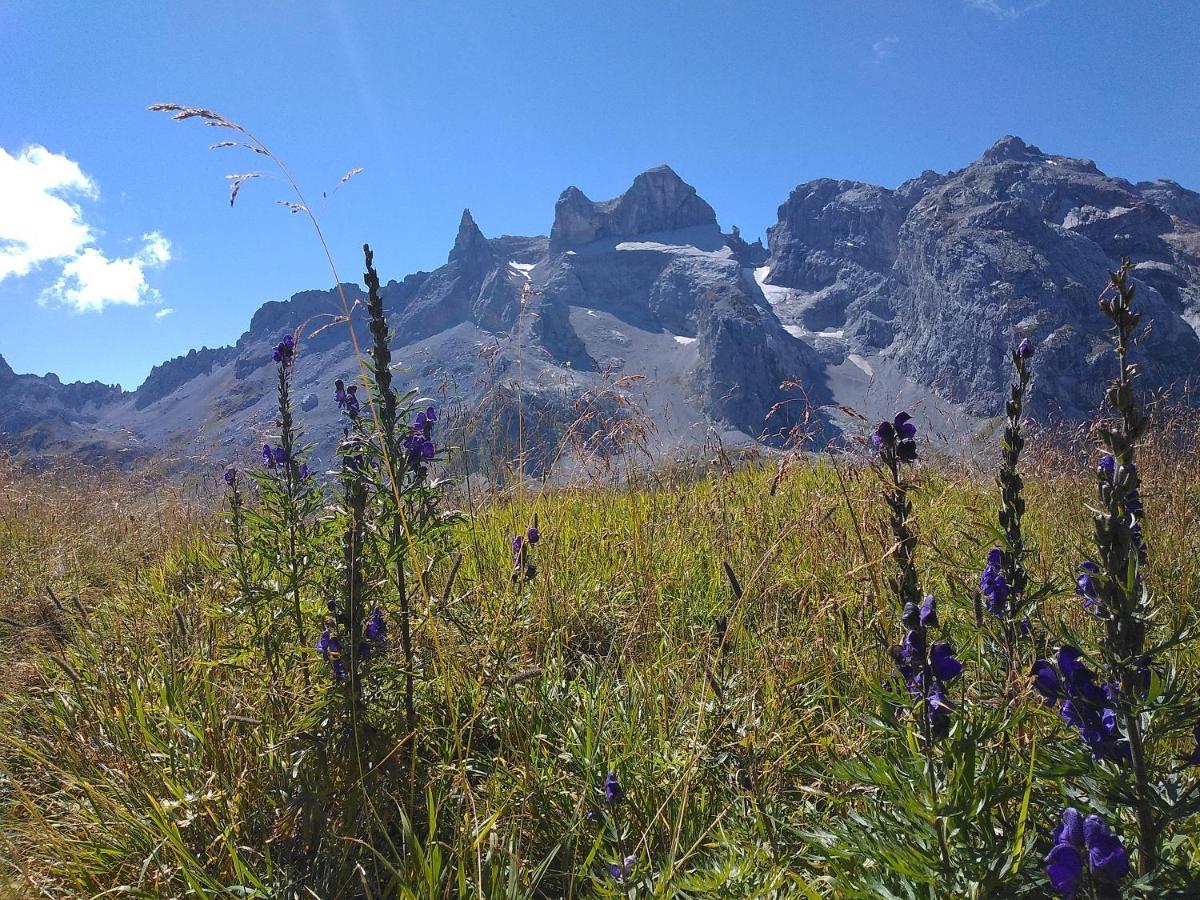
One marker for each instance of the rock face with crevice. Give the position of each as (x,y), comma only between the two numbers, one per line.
(639,315)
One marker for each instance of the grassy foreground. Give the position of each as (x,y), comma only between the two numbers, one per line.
(145,752)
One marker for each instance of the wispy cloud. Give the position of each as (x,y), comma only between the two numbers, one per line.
(164,312)
(42,223)
(1003,10)
(885,48)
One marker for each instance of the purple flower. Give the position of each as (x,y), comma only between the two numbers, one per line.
(419,447)
(1106,855)
(941,660)
(1108,465)
(285,350)
(281,456)
(929,618)
(423,421)
(533,535)
(346,397)
(376,628)
(1085,586)
(230,475)
(622,870)
(898,437)
(1045,680)
(268,457)
(1064,868)
(613,792)
(993,585)
(1025,349)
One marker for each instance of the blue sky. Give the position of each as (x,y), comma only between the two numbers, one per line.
(118,248)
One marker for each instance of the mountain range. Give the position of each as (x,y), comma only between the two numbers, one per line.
(640,316)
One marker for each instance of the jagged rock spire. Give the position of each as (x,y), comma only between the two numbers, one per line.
(471,248)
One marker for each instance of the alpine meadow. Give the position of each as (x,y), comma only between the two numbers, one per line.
(629,559)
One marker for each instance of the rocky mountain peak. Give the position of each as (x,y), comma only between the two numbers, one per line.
(657,201)
(5,369)
(1011,148)
(470,246)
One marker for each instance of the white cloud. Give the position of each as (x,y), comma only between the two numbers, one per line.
(1007,10)
(164,312)
(885,48)
(42,223)
(91,280)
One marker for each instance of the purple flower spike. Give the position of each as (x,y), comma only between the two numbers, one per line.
(1025,349)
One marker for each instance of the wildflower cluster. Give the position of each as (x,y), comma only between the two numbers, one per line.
(927,668)
(1086,705)
(614,796)
(1003,582)
(285,351)
(347,398)
(418,443)
(1107,862)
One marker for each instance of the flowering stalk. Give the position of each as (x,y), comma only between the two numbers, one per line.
(1123,601)
(925,669)
(396,461)
(1004,581)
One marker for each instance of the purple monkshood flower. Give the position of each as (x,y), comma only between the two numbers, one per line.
(346,397)
(304,473)
(613,792)
(1025,349)
(622,870)
(230,475)
(1108,465)
(268,457)
(897,436)
(285,350)
(993,585)
(533,535)
(281,456)
(942,662)
(1045,680)
(1064,862)
(1086,705)
(1085,587)
(1106,855)
(376,628)
(419,447)
(423,421)
(924,616)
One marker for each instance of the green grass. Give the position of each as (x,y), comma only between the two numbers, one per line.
(144,752)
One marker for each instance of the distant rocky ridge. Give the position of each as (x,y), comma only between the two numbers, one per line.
(864,297)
